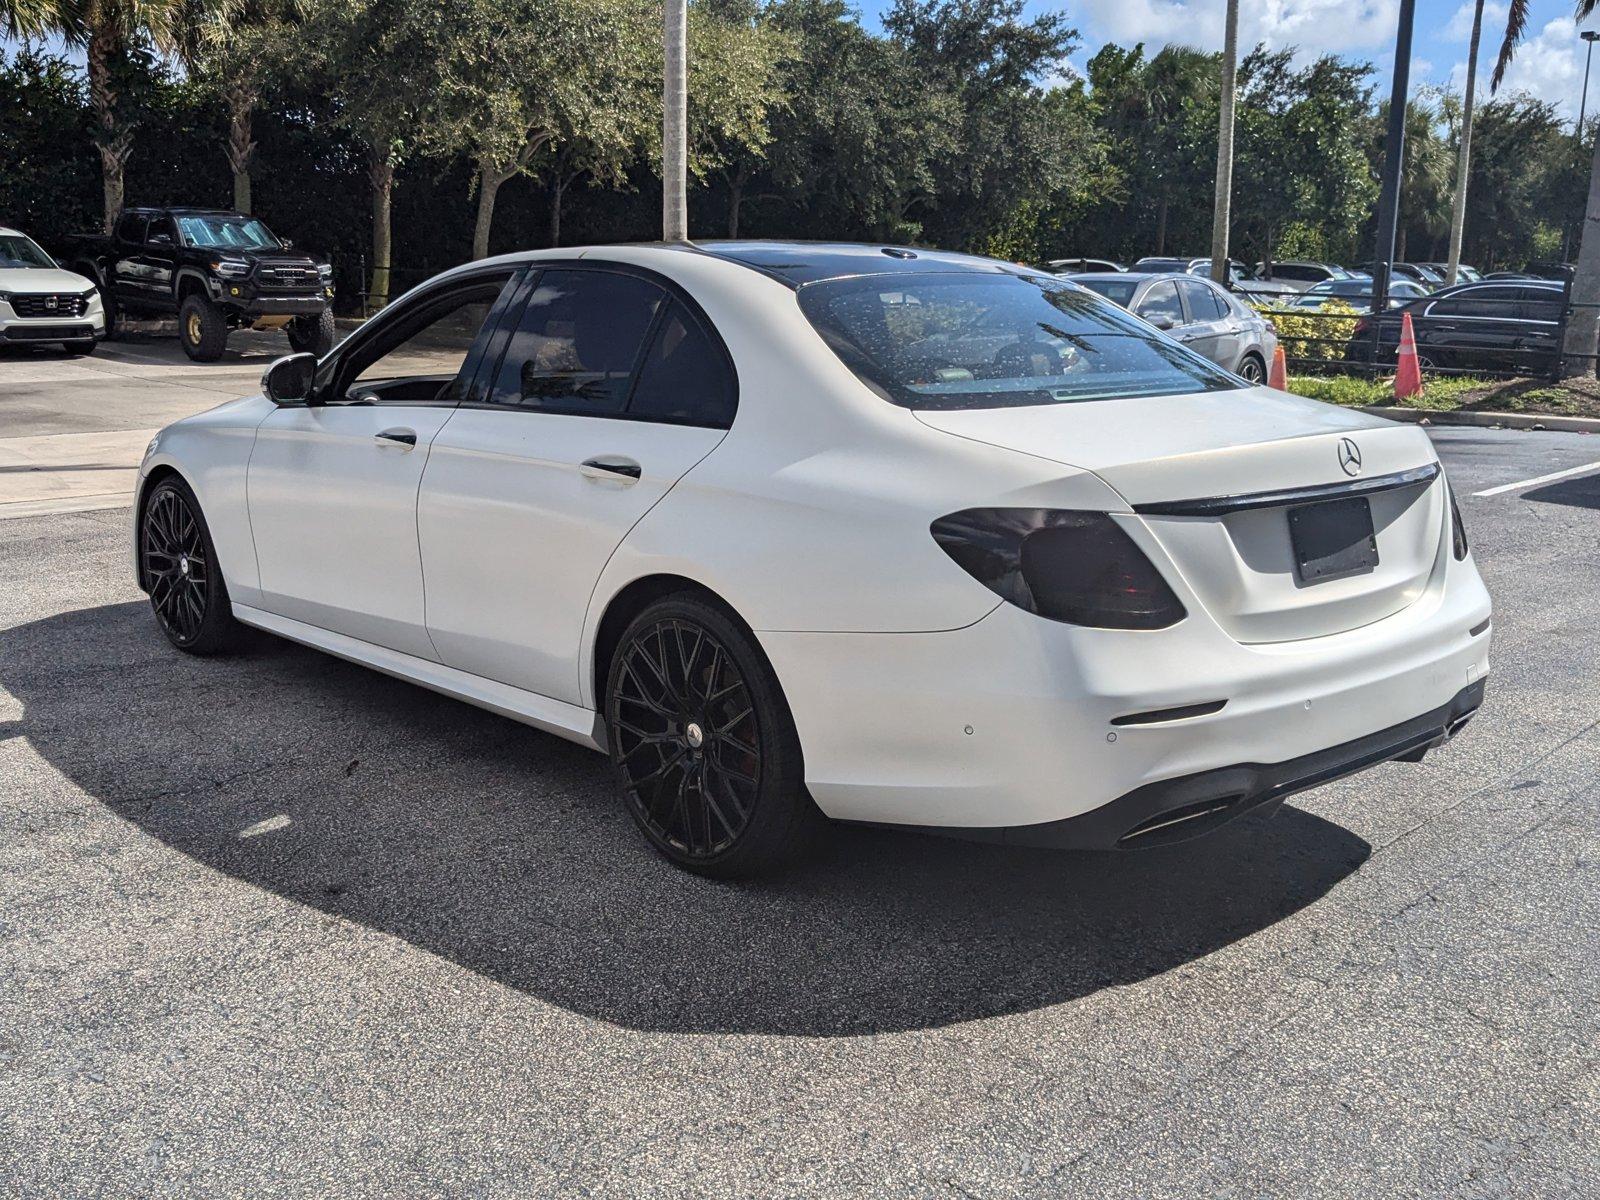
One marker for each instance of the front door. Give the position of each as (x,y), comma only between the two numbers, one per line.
(609,389)
(333,486)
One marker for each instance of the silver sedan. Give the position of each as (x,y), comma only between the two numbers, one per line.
(1197,313)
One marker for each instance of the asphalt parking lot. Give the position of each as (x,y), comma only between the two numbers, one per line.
(280,926)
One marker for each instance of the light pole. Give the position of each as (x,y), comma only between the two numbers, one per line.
(1393,158)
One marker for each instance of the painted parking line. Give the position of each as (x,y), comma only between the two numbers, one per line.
(1538,479)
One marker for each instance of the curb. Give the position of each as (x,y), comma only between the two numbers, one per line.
(1487,420)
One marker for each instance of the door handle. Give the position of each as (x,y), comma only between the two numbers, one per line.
(610,466)
(403,437)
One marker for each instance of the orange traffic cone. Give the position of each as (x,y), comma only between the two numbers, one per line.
(1278,377)
(1407,373)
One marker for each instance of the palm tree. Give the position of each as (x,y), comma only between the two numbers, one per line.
(27,18)
(1458,212)
(106,29)
(1583,323)
(1223,199)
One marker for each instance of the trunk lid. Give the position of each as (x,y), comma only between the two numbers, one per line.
(1236,449)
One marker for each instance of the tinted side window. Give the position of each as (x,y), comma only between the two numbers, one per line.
(130,227)
(1478,302)
(418,355)
(162,225)
(577,342)
(1299,274)
(1161,301)
(686,377)
(1539,304)
(1204,304)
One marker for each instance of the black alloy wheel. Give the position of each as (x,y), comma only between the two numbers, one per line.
(703,745)
(179,565)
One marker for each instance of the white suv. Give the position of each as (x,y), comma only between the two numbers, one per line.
(39,302)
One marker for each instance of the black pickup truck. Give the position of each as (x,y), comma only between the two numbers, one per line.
(216,270)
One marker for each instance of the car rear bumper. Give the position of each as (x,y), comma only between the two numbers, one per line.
(1017,721)
(1175,810)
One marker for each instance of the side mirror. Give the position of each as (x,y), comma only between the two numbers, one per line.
(161,239)
(286,243)
(289,379)
(1162,321)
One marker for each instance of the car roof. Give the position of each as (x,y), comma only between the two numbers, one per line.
(184,209)
(1141,276)
(8,229)
(800,263)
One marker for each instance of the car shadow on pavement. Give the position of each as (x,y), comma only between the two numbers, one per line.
(502,849)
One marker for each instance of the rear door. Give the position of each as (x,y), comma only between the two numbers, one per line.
(127,245)
(333,486)
(1476,327)
(1539,310)
(610,386)
(1210,329)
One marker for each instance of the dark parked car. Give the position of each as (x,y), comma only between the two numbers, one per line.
(1197,313)
(216,270)
(1474,326)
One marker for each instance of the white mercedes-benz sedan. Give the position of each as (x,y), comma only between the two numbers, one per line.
(799,531)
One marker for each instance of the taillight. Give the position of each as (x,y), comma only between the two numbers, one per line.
(1458,528)
(1361,326)
(1077,567)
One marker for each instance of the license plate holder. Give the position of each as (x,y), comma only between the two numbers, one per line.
(1333,539)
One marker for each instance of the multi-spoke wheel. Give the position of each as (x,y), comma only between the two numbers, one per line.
(179,568)
(704,748)
(1252,370)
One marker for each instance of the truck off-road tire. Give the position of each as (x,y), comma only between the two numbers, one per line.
(202,329)
(312,335)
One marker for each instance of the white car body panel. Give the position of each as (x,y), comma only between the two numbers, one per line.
(517,480)
(333,507)
(482,562)
(48,282)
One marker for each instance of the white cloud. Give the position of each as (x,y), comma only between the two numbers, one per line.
(1459,28)
(1549,65)
(1314,26)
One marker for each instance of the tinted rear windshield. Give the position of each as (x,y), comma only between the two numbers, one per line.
(997,341)
(1119,291)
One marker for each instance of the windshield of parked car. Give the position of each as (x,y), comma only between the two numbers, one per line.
(212,232)
(18,250)
(1118,291)
(958,341)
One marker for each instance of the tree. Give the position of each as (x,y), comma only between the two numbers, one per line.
(734,88)
(508,79)
(236,48)
(1583,320)
(855,144)
(116,36)
(363,56)
(992,64)
(1458,205)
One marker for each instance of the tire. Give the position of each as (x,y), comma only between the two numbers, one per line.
(202,329)
(313,335)
(178,562)
(703,747)
(1252,370)
(82,346)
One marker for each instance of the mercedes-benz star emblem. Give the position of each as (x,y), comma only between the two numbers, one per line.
(1349,456)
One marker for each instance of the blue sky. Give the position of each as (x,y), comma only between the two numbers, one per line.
(1550,62)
